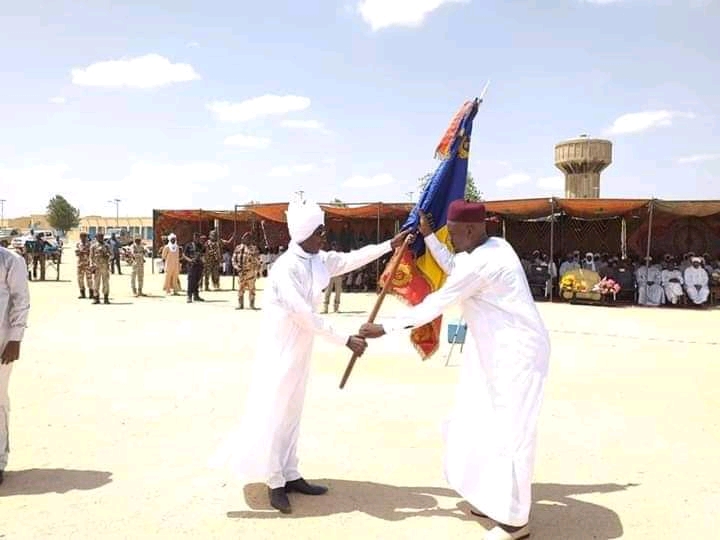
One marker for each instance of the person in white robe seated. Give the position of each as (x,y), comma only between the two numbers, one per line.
(264,445)
(672,282)
(491,433)
(649,283)
(696,282)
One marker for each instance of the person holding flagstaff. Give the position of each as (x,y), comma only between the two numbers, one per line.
(503,374)
(264,446)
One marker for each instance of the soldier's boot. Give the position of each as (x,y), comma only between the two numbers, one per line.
(140,293)
(135,293)
(96,299)
(106,299)
(252,302)
(241,303)
(82,293)
(325,308)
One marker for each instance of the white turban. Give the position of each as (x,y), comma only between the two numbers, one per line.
(303,218)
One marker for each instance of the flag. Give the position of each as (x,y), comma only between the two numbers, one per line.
(418,274)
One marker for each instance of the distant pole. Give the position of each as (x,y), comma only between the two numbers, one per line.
(2,212)
(116,202)
(300,194)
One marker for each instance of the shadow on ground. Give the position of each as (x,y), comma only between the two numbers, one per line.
(40,481)
(555,514)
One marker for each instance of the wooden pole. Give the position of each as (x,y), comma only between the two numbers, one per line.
(649,240)
(552,246)
(399,252)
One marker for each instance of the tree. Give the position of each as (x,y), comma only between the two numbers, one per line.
(337,202)
(471,190)
(61,215)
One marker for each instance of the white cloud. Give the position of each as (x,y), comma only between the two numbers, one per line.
(381,14)
(57,100)
(553,183)
(642,121)
(290,170)
(697,158)
(369,181)
(302,124)
(247,141)
(257,107)
(512,180)
(148,71)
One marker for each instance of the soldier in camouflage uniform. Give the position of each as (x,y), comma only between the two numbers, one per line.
(246,263)
(211,270)
(84,274)
(100,256)
(138,267)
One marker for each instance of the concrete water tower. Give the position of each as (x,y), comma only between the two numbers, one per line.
(582,160)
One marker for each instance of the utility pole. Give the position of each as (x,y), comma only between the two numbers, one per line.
(2,212)
(116,202)
(300,194)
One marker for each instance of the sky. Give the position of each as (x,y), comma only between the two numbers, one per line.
(209,104)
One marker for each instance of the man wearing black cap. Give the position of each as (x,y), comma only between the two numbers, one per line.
(503,375)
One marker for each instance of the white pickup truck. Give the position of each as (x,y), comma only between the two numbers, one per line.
(47,235)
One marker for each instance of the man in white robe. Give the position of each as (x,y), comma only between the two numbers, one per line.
(502,377)
(672,282)
(264,447)
(696,282)
(14,308)
(649,283)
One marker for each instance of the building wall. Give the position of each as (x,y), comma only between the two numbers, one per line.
(142,226)
(25,223)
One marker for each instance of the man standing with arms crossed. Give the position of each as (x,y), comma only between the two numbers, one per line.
(14,309)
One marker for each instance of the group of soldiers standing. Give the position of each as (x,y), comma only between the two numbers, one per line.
(93,267)
(203,258)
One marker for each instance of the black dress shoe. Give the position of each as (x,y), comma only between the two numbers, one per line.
(279,500)
(301,486)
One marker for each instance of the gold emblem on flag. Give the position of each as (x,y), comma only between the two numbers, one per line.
(464,150)
(402,275)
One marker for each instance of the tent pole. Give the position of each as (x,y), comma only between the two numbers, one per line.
(552,245)
(623,238)
(232,286)
(649,240)
(504,231)
(377,261)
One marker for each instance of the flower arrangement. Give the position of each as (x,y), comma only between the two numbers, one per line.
(607,286)
(571,283)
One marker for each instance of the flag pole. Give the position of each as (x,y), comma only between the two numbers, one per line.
(399,252)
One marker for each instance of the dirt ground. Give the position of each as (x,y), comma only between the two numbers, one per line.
(117,409)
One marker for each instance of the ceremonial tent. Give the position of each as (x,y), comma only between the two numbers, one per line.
(623,226)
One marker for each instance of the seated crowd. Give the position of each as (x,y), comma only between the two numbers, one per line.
(688,278)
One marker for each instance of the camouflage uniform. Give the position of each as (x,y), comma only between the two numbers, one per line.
(212,263)
(246,263)
(84,274)
(138,269)
(100,256)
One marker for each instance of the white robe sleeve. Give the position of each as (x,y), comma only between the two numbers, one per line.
(19,295)
(463,282)
(291,297)
(341,263)
(440,253)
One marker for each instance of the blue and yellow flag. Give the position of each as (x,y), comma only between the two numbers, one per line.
(418,274)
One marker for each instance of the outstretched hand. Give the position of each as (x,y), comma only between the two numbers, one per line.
(399,238)
(425,225)
(371,330)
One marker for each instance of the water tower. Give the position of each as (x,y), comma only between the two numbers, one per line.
(582,160)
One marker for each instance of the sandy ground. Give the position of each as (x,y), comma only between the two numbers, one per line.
(116,410)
